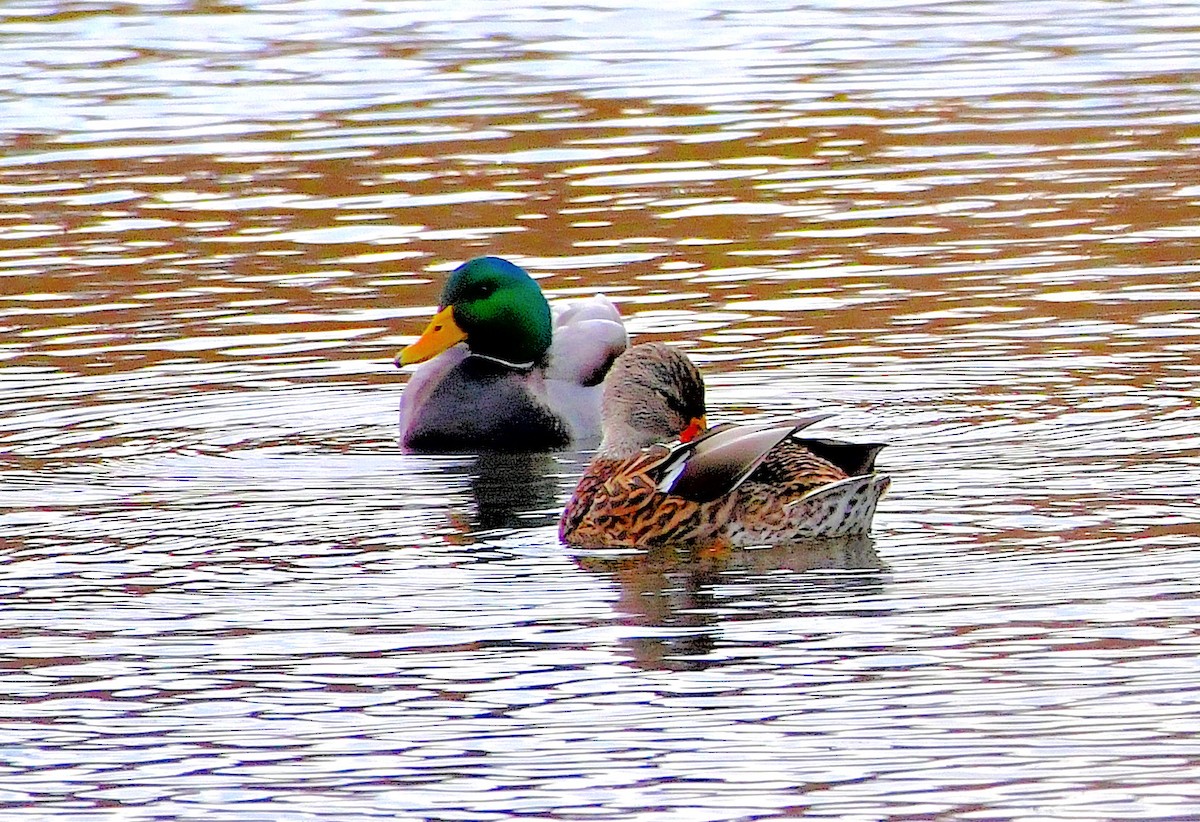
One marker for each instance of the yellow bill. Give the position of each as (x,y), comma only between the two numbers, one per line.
(441,333)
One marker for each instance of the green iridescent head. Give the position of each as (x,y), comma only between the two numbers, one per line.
(496,307)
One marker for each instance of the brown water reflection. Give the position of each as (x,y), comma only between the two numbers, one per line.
(968,228)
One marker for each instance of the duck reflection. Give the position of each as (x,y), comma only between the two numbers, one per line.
(690,591)
(520,489)
(493,490)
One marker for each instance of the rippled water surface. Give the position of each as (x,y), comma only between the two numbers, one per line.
(969,228)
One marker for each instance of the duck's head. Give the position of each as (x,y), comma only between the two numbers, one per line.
(653,394)
(496,308)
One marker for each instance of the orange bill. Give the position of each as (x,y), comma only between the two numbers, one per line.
(441,333)
(694,429)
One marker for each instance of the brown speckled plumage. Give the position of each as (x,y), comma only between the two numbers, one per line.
(735,485)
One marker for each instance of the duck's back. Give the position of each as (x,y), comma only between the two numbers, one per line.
(798,492)
(588,336)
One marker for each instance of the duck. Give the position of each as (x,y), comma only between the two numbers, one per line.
(500,369)
(662,476)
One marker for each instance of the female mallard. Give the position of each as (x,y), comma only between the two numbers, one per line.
(735,485)
(505,371)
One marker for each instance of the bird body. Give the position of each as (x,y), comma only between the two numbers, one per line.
(501,369)
(737,485)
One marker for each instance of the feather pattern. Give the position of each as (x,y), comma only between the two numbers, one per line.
(735,485)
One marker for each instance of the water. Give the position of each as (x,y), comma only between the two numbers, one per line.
(969,228)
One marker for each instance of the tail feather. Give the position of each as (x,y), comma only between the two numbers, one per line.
(852,457)
(838,509)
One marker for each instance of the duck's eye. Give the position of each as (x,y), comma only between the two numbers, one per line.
(480,291)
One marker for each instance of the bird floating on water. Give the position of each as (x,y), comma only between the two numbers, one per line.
(504,370)
(660,477)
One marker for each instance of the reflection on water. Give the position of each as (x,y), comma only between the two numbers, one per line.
(968,228)
(693,592)
(516,490)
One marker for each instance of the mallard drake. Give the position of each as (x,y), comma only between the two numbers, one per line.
(656,479)
(505,371)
